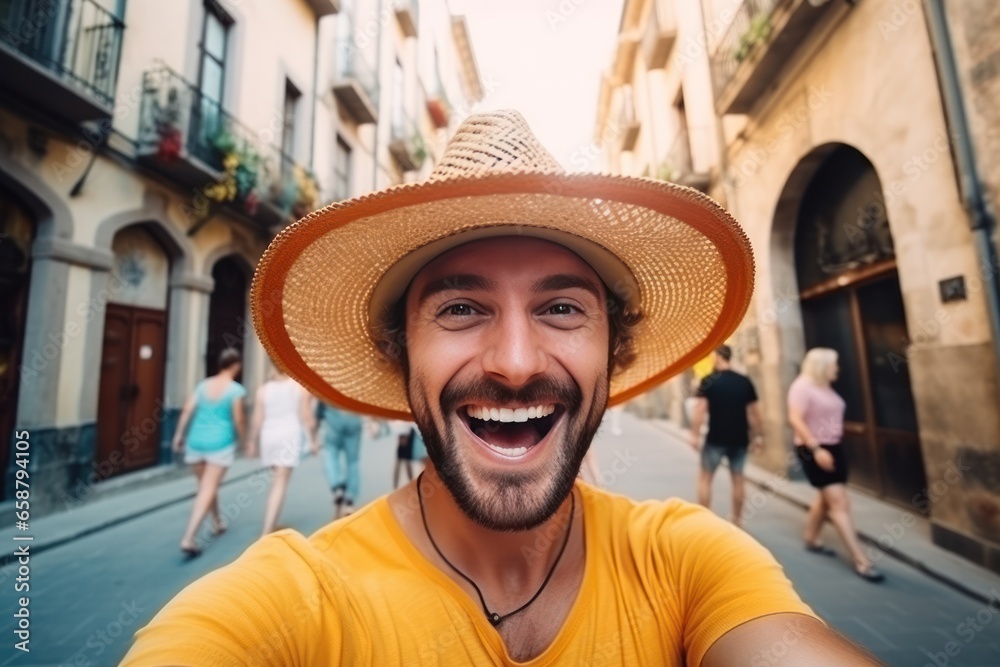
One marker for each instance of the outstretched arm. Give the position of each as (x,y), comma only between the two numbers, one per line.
(255,423)
(182,423)
(786,640)
(697,420)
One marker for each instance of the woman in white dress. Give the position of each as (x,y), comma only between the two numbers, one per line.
(282,420)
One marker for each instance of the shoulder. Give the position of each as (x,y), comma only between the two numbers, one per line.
(650,524)
(238,390)
(274,594)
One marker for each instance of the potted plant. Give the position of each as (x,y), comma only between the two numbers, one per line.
(757,32)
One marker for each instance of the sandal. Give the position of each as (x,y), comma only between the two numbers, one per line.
(870,574)
(821,549)
(190,552)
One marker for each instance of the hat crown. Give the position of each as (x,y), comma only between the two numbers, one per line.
(494,142)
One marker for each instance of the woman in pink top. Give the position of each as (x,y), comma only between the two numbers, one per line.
(816,413)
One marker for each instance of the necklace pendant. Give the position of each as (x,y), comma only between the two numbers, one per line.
(494,619)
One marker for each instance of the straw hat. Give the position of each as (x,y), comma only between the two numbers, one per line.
(327,279)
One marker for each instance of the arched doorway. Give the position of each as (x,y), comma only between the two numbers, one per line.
(845,264)
(227,325)
(130,410)
(17,231)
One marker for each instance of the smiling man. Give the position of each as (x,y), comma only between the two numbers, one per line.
(502,305)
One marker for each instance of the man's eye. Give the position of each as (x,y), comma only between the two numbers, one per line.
(562,309)
(458,310)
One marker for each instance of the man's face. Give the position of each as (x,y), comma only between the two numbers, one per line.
(508,374)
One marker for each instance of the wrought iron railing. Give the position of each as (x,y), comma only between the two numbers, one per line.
(403,132)
(750,28)
(78,40)
(177,118)
(350,63)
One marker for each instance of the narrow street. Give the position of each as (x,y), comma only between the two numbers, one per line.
(89,596)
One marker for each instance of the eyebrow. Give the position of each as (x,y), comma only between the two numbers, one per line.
(564,281)
(469,282)
(464,282)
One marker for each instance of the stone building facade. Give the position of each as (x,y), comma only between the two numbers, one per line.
(842,154)
(148,153)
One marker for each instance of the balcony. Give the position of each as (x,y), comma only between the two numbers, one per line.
(354,83)
(677,166)
(628,124)
(60,57)
(190,139)
(759,42)
(407,15)
(323,8)
(661,33)
(406,144)
(438,107)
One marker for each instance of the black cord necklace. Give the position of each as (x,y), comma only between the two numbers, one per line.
(494,618)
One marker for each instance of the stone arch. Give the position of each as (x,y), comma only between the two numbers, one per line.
(236,250)
(787,314)
(52,215)
(836,284)
(153,216)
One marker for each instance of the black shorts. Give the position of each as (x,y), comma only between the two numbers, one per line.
(405,448)
(816,475)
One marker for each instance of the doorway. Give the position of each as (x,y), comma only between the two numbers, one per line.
(17,232)
(130,411)
(851,302)
(227,324)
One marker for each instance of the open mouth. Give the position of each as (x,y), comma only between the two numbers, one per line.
(511,431)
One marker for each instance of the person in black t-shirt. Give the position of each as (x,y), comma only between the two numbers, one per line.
(731,403)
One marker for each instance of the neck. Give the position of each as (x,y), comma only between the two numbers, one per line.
(491,558)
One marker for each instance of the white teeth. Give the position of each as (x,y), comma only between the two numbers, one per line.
(510,414)
(510,452)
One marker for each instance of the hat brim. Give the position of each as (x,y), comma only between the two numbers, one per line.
(312,294)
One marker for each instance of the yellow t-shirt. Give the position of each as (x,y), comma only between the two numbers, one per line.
(663,582)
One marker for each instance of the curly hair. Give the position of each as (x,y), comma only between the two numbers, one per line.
(389,335)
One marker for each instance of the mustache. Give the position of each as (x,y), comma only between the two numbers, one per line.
(489,391)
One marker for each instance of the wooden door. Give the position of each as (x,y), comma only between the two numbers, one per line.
(130,410)
(866,323)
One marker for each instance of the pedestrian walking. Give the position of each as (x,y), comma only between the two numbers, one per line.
(282,421)
(730,401)
(517,290)
(816,414)
(405,454)
(341,438)
(213,419)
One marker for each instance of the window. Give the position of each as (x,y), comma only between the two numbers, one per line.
(398,110)
(212,70)
(291,109)
(341,170)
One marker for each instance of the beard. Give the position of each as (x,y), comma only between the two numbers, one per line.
(512,500)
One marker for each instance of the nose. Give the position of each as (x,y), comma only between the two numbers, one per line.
(514,354)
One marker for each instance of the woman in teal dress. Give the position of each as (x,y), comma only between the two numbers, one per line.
(214,412)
